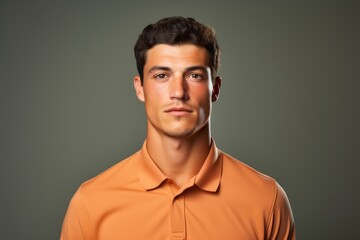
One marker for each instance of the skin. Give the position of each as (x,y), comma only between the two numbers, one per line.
(178,92)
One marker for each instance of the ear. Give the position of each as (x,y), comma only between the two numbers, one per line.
(139,89)
(216,89)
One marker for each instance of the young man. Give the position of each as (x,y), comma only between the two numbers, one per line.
(179,185)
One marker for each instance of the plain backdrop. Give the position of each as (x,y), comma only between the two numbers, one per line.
(289,102)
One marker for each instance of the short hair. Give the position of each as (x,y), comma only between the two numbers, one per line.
(176,31)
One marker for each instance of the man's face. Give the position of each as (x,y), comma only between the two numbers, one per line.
(177,89)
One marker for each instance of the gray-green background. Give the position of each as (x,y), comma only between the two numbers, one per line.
(289,103)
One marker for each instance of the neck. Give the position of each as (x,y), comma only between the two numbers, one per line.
(179,158)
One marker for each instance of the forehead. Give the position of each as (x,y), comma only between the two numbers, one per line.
(177,55)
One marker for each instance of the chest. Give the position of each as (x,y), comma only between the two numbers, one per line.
(192,215)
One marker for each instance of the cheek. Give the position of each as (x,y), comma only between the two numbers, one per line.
(155,100)
(202,95)
(153,94)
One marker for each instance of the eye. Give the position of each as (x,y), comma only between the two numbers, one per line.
(160,76)
(195,76)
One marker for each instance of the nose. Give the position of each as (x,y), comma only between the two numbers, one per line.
(179,89)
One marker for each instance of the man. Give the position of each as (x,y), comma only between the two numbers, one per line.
(179,185)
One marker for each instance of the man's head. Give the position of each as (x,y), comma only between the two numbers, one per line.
(177,31)
(177,59)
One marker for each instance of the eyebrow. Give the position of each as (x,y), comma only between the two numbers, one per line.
(196,68)
(156,68)
(163,68)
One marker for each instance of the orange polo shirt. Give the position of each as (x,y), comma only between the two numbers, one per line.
(134,200)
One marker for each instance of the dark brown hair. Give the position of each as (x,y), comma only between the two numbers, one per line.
(175,31)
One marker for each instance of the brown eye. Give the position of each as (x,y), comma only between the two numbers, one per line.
(195,76)
(160,76)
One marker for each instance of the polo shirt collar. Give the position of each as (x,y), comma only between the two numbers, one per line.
(207,179)
(149,174)
(209,175)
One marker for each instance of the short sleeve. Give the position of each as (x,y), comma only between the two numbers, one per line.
(77,222)
(281,224)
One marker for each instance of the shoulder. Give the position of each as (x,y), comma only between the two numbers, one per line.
(259,193)
(247,185)
(116,176)
(244,175)
(94,196)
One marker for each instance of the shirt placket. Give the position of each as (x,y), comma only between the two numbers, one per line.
(177,213)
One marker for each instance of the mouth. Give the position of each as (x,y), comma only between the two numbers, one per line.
(178,111)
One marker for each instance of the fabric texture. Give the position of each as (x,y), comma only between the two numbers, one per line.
(134,200)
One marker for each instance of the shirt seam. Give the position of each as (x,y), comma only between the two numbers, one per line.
(272,207)
(87,212)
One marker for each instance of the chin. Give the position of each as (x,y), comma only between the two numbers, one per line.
(180,133)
